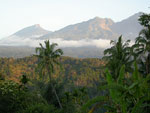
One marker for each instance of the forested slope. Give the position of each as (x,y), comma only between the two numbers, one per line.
(81,72)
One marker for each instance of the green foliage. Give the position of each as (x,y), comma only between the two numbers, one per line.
(48,94)
(47,59)
(40,108)
(12,97)
(144,20)
(24,79)
(141,47)
(99,100)
(117,56)
(15,99)
(127,95)
(121,75)
(48,56)
(74,100)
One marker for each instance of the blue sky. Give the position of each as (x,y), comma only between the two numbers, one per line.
(56,14)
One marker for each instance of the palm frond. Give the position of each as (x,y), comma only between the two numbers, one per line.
(95,100)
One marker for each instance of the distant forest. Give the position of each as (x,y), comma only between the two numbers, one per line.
(79,72)
(77,52)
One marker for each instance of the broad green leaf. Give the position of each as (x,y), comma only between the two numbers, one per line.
(121,75)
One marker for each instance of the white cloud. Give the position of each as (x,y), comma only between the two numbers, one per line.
(81,43)
(17,41)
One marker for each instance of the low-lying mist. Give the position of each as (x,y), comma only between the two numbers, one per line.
(17,41)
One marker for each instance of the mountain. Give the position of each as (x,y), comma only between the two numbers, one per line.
(32,31)
(96,28)
(99,28)
(85,39)
(87,31)
(129,27)
(25,37)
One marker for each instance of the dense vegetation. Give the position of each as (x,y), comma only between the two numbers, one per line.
(50,83)
(73,76)
(80,72)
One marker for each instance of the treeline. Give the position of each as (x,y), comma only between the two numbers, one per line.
(80,72)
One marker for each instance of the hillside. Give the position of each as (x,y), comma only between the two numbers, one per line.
(80,72)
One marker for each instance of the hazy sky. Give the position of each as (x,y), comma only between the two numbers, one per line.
(56,14)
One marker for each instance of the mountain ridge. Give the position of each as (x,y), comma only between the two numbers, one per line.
(84,39)
(99,28)
(93,29)
(128,27)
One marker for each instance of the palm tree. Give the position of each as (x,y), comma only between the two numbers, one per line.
(48,56)
(142,43)
(116,56)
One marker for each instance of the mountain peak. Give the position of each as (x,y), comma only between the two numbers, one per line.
(107,21)
(34,30)
(96,18)
(139,13)
(37,25)
(103,23)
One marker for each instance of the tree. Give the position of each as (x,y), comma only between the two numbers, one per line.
(48,56)
(126,95)
(142,43)
(145,20)
(116,56)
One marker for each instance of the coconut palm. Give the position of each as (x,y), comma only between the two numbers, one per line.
(142,43)
(116,56)
(48,56)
